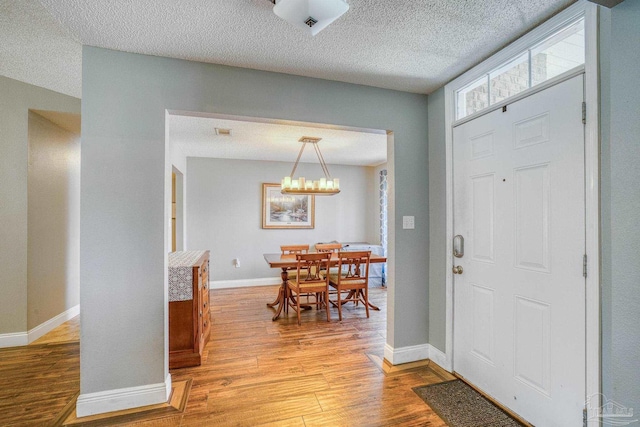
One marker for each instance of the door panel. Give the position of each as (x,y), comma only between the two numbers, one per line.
(519,305)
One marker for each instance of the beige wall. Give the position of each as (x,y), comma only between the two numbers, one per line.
(53,249)
(16,99)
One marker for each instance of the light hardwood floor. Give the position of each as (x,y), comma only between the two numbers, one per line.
(256,372)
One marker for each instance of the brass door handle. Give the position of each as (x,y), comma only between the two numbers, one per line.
(457,269)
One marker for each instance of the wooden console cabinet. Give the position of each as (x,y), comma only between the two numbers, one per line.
(189,310)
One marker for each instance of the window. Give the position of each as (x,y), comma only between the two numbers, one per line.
(559,53)
(509,80)
(473,98)
(555,55)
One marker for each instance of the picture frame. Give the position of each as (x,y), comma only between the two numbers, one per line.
(286,211)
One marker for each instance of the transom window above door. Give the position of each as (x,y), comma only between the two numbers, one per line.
(560,53)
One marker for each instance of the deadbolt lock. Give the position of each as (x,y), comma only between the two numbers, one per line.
(457,269)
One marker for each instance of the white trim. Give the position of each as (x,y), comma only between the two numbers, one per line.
(124,398)
(14,339)
(52,323)
(244,283)
(413,353)
(592,211)
(524,94)
(449,116)
(519,46)
(438,357)
(590,11)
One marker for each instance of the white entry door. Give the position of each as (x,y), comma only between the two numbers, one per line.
(519,302)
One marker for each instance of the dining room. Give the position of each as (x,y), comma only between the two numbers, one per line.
(233,168)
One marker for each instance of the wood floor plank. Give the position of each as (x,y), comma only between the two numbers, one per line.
(271,391)
(251,415)
(256,372)
(377,414)
(291,422)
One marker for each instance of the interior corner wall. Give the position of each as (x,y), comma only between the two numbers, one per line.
(620,200)
(225,207)
(124,194)
(53,248)
(16,98)
(438,221)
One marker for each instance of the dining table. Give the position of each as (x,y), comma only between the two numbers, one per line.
(286,262)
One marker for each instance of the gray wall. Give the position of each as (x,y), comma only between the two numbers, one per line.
(16,99)
(621,207)
(437,217)
(125,183)
(53,254)
(225,205)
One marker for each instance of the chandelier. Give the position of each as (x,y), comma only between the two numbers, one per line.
(312,16)
(323,187)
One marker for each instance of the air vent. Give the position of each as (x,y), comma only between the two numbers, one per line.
(310,22)
(223,132)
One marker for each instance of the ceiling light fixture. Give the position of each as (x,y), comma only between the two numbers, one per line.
(312,16)
(322,187)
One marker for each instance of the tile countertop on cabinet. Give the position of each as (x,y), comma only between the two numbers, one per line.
(181,274)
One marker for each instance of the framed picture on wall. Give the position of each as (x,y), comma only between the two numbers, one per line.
(286,211)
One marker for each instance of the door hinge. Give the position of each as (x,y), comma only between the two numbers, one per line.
(584,417)
(584,112)
(584,265)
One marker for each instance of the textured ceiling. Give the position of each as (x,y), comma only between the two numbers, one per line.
(271,141)
(408,45)
(36,49)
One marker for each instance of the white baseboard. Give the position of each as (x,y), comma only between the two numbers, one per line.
(53,323)
(398,356)
(414,353)
(124,398)
(14,339)
(17,339)
(439,358)
(244,283)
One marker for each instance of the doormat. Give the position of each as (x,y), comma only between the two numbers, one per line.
(459,405)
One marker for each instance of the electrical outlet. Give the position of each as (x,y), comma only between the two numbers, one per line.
(236,262)
(408,222)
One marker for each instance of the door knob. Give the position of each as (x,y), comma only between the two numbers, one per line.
(457,269)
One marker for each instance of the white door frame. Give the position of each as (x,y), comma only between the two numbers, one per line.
(592,205)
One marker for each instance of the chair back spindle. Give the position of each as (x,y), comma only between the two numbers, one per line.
(328,247)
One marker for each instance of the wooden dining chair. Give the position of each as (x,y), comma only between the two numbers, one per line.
(353,279)
(293,250)
(331,248)
(310,283)
(328,247)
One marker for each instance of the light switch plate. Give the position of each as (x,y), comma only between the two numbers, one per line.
(408,222)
